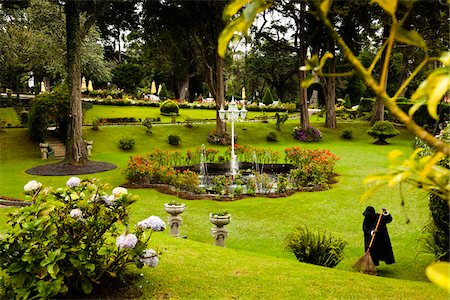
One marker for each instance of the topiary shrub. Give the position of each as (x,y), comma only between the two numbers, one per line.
(315,248)
(381,131)
(72,240)
(96,124)
(147,123)
(163,94)
(347,102)
(169,107)
(267,98)
(173,139)
(126,143)
(272,137)
(347,134)
(310,134)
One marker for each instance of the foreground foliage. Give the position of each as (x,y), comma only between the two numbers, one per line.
(63,243)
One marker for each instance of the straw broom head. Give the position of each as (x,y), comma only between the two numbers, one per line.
(365,264)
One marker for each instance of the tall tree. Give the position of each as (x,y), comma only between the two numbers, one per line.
(76,31)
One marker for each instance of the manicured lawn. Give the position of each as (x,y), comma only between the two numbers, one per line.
(140,112)
(9,115)
(254,264)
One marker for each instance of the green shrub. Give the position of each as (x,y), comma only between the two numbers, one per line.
(72,240)
(310,134)
(381,131)
(347,134)
(127,76)
(347,102)
(96,124)
(267,98)
(109,97)
(163,94)
(49,109)
(281,119)
(147,123)
(169,107)
(126,143)
(366,105)
(315,248)
(173,139)
(272,136)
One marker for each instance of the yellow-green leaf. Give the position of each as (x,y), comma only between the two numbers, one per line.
(394,155)
(307,81)
(438,273)
(325,6)
(417,105)
(389,6)
(233,7)
(430,163)
(438,87)
(324,58)
(398,178)
(410,37)
(445,58)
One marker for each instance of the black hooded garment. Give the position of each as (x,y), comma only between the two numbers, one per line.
(381,248)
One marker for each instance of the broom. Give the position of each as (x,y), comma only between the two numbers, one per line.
(365,263)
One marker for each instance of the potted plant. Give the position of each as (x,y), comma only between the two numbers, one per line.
(220,218)
(174,208)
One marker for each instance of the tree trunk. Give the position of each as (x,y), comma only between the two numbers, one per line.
(183,87)
(304,115)
(330,103)
(220,94)
(118,39)
(75,149)
(378,110)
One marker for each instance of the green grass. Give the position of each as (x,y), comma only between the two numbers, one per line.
(254,264)
(140,112)
(9,115)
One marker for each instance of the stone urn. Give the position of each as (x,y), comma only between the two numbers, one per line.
(220,233)
(174,219)
(219,220)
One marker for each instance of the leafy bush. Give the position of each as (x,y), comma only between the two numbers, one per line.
(381,131)
(315,248)
(281,119)
(148,124)
(169,107)
(267,98)
(126,143)
(117,120)
(366,105)
(95,124)
(49,109)
(272,136)
(347,134)
(163,94)
(173,139)
(347,103)
(310,134)
(69,240)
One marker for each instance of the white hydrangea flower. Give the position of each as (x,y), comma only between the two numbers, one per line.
(109,200)
(119,191)
(76,213)
(73,182)
(126,241)
(31,186)
(153,222)
(150,258)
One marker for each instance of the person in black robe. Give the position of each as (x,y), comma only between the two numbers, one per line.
(381,248)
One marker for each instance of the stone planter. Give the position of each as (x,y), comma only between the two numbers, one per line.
(220,233)
(174,220)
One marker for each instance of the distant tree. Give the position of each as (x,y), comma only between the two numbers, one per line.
(267,98)
(127,76)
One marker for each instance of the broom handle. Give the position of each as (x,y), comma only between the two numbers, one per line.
(376,229)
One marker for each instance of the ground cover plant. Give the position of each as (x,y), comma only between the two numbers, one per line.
(257,265)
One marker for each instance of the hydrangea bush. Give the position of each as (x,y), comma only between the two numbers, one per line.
(69,240)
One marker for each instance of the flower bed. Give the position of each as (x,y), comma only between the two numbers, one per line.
(308,170)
